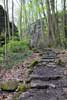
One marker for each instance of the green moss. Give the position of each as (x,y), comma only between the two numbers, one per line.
(49,45)
(60,62)
(22,88)
(36,50)
(18,46)
(34,63)
(9,85)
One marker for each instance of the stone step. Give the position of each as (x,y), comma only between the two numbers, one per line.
(43,94)
(47,60)
(44,78)
(48,57)
(51,65)
(64,83)
(41,63)
(47,71)
(41,84)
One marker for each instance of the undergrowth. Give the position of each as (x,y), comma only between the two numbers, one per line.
(17,51)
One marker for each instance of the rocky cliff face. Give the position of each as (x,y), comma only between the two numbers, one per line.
(2,24)
(36,32)
(2,21)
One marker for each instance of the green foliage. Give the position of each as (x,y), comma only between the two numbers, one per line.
(17,51)
(16,58)
(17,46)
(1,50)
(1,54)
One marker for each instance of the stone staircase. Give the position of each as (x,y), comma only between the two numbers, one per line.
(47,80)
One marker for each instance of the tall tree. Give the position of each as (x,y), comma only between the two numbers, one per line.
(8,25)
(5,28)
(55,23)
(49,22)
(65,18)
(12,19)
(20,32)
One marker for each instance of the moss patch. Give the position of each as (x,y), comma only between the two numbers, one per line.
(35,50)
(22,88)
(60,62)
(34,63)
(9,85)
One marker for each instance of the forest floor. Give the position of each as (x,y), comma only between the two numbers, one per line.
(18,73)
(47,79)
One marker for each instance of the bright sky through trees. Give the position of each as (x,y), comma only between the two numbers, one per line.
(17,4)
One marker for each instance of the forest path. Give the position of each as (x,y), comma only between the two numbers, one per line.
(48,80)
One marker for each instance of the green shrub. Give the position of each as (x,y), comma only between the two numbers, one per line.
(17,51)
(17,46)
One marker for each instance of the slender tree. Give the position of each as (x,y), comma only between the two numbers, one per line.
(20,31)
(65,18)
(5,28)
(8,25)
(12,19)
(49,22)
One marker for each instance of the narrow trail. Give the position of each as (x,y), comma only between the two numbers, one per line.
(48,80)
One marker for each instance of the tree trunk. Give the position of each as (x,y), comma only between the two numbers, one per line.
(64,18)
(12,19)
(55,22)
(20,21)
(49,23)
(5,31)
(8,25)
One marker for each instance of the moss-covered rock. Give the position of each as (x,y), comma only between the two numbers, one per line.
(10,85)
(36,50)
(21,87)
(34,63)
(60,62)
(49,45)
